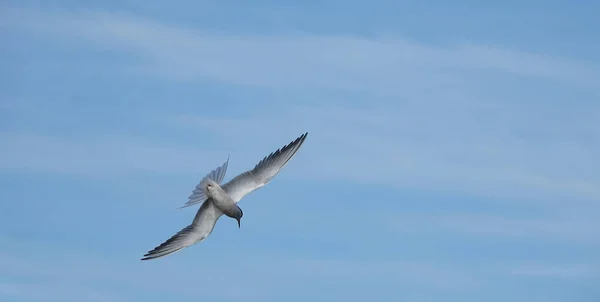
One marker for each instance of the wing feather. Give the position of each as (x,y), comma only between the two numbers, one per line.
(264,171)
(201,227)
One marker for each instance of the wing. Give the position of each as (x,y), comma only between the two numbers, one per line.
(201,227)
(198,194)
(263,172)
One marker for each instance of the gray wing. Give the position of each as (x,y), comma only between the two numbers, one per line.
(198,194)
(201,227)
(264,171)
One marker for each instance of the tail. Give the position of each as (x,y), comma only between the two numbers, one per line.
(184,238)
(198,195)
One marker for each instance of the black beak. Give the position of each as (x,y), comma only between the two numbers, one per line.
(239,226)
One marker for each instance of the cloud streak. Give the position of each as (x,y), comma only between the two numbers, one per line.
(558,271)
(278,275)
(98,157)
(293,59)
(579,229)
(504,141)
(452,116)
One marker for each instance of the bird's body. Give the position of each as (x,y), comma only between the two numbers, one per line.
(220,199)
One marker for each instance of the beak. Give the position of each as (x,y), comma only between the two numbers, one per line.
(239,226)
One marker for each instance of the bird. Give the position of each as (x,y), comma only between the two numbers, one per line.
(220,199)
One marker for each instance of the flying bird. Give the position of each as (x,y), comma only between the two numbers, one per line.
(220,199)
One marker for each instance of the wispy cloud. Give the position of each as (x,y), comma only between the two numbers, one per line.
(55,292)
(579,229)
(406,152)
(296,59)
(558,271)
(97,157)
(467,119)
(448,117)
(88,273)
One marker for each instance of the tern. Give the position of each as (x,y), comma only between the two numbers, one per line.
(220,199)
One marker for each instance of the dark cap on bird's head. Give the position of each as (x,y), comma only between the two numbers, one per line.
(239,216)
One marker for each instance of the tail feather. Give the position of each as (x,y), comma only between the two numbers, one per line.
(199,195)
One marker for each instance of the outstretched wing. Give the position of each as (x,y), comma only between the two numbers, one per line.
(264,171)
(198,195)
(201,227)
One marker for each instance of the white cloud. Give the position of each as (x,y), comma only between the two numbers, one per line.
(384,110)
(398,149)
(55,292)
(470,118)
(85,270)
(398,273)
(386,63)
(96,157)
(558,271)
(581,229)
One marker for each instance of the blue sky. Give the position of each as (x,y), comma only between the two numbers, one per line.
(452,151)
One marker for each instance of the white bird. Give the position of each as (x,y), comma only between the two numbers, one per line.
(218,200)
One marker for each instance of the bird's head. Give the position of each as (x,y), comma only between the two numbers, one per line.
(238,216)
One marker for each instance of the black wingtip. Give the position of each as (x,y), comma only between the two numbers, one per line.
(301,138)
(147,256)
(150,255)
(297,141)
